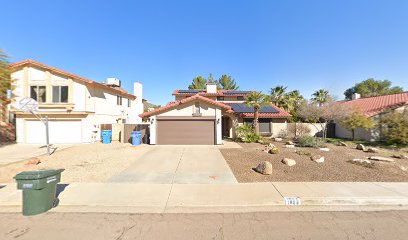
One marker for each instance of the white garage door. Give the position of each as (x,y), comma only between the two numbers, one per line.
(59,131)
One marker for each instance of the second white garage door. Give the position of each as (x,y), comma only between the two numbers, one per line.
(59,131)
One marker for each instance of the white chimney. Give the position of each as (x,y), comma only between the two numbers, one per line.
(355,96)
(211,87)
(114,82)
(138,90)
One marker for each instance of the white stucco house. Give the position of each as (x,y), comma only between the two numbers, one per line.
(205,117)
(76,106)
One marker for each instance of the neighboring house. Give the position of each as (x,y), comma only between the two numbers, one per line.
(207,116)
(76,106)
(375,108)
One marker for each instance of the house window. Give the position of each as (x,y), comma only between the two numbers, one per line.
(220,98)
(119,100)
(197,108)
(240,98)
(129,103)
(38,93)
(263,123)
(59,94)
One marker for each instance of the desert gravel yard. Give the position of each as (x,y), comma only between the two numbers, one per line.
(83,163)
(336,166)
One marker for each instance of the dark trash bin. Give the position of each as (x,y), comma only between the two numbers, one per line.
(39,190)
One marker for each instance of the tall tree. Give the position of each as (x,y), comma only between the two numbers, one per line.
(321,97)
(210,78)
(5,78)
(372,88)
(278,95)
(198,83)
(357,120)
(226,82)
(256,100)
(293,100)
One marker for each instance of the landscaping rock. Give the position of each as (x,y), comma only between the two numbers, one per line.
(289,162)
(382,159)
(342,144)
(278,139)
(289,146)
(269,147)
(33,161)
(324,149)
(274,151)
(400,156)
(373,150)
(362,162)
(289,143)
(317,158)
(360,147)
(264,168)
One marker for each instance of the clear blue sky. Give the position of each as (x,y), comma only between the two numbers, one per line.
(304,45)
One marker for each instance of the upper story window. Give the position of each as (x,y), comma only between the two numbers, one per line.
(220,98)
(129,103)
(240,98)
(119,100)
(59,94)
(38,93)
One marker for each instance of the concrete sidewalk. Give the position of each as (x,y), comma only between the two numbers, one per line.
(188,198)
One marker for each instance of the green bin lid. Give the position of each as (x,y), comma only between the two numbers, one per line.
(39,174)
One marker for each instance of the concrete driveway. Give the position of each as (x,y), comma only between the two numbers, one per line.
(178,164)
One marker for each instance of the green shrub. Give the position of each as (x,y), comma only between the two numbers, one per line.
(309,141)
(246,133)
(395,127)
(306,153)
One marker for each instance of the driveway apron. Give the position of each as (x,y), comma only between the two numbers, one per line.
(178,164)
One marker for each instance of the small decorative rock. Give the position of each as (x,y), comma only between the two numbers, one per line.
(264,168)
(317,158)
(289,146)
(400,156)
(324,149)
(274,151)
(289,162)
(382,159)
(373,150)
(278,139)
(33,161)
(342,144)
(360,147)
(289,143)
(362,161)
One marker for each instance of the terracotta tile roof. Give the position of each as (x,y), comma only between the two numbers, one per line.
(186,100)
(30,62)
(220,92)
(375,105)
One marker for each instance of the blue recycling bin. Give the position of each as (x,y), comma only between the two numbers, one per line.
(106,136)
(136,138)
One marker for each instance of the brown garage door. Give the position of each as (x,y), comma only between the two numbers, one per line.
(185,132)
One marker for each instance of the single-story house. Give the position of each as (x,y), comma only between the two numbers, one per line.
(75,106)
(205,117)
(375,108)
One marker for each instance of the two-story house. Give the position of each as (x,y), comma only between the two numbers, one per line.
(207,116)
(75,106)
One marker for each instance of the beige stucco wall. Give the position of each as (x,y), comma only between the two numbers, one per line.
(187,110)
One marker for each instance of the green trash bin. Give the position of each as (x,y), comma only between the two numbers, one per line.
(39,190)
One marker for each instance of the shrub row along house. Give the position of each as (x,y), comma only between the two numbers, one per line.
(374,108)
(76,106)
(206,116)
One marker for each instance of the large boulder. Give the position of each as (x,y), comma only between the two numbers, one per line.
(317,158)
(288,161)
(264,168)
(360,147)
(381,159)
(373,150)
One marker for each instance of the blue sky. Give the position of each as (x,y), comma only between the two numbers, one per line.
(304,45)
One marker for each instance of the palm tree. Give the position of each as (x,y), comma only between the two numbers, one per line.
(278,95)
(321,96)
(256,100)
